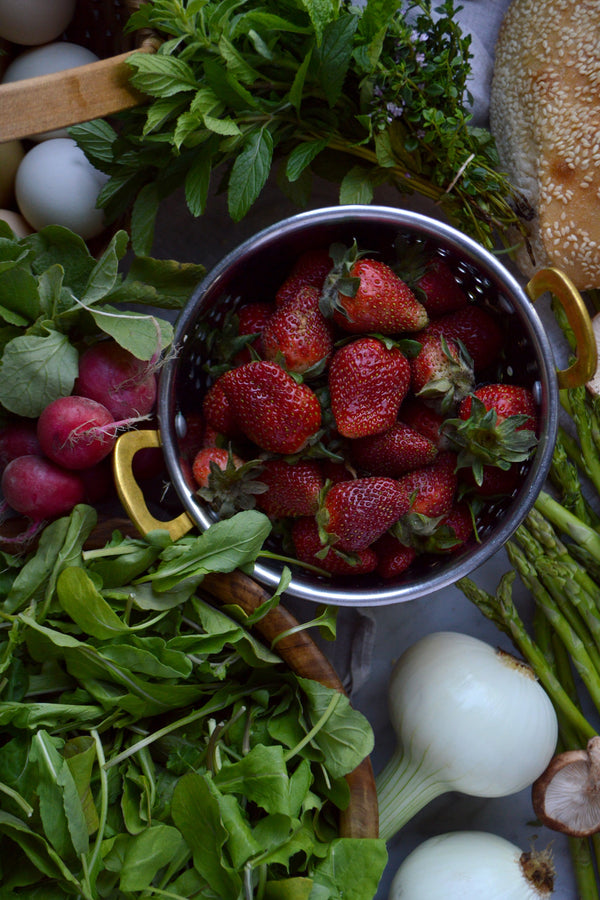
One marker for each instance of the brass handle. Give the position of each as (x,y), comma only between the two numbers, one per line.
(129,491)
(561,286)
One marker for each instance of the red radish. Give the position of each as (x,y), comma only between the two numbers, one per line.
(113,376)
(18,438)
(76,432)
(37,488)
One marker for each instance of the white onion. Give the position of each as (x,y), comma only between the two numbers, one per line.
(472,865)
(468,718)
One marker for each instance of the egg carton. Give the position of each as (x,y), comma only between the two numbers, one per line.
(41,103)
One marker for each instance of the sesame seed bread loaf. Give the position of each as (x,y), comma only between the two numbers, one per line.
(545,118)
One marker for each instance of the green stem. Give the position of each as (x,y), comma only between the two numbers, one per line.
(404,787)
(568,523)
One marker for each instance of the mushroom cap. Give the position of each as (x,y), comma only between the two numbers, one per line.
(566,797)
(545,119)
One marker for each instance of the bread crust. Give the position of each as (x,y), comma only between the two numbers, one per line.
(545,118)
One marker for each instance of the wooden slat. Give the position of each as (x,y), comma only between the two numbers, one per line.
(47,102)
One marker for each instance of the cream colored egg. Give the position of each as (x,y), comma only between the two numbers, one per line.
(34,21)
(57,185)
(11,154)
(55,57)
(14,220)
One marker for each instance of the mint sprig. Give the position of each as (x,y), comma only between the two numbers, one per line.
(365,96)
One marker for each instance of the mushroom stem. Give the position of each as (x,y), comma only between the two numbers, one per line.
(593,752)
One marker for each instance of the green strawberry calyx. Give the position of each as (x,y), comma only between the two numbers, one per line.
(483,440)
(339,280)
(233,488)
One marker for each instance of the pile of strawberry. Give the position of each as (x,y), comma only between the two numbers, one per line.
(350,408)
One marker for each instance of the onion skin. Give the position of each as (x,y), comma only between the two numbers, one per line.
(474,865)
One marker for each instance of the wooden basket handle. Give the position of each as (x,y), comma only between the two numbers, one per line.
(47,102)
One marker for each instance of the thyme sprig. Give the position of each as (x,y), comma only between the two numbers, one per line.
(363,96)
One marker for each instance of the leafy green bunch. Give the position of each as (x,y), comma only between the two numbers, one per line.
(55,296)
(152,746)
(363,96)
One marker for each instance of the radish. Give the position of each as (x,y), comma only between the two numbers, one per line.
(18,438)
(39,489)
(76,432)
(113,376)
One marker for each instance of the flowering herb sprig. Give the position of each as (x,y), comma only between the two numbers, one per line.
(364,96)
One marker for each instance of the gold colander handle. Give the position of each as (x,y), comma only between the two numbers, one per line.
(561,286)
(131,494)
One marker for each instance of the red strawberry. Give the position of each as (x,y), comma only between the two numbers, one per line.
(432,488)
(309,549)
(439,291)
(496,425)
(495,482)
(225,480)
(271,408)
(193,439)
(367,384)
(451,533)
(252,318)
(217,409)
(424,419)
(201,466)
(393,557)
(392,452)
(310,269)
(476,329)
(355,513)
(441,373)
(298,332)
(366,295)
(292,488)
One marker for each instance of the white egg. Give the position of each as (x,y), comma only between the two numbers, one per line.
(11,154)
(45,60)
(34,21)
(20,227)
(57,185)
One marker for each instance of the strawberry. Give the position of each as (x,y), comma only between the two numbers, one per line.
(393,557)
(475,328)
(272,409)
(208,458)
(224,480)
(422,418)
(495,482)
(292,488)
(298,332)
(310,269)
(392,452)
(252,318)
(309,549)
(217,409)
(432,488)
(438,289)
(353,514)
(363,295)
(451,533)
(367,384)
(441,373)
(193,438)
(496,425)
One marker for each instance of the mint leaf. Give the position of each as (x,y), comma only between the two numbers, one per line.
(249,173)
(356,186)
(302,156)
(143,217)
(35,370)
(321,12)
(161,76)
(334,56)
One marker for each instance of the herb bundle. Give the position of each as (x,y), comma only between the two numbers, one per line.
(362,96)
(152,747)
